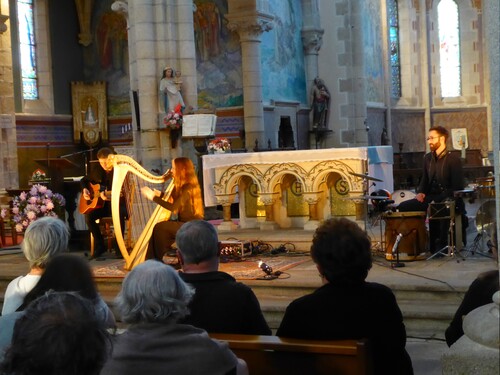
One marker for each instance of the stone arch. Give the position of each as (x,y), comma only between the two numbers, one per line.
(320,172)
(276,173)
(229,180)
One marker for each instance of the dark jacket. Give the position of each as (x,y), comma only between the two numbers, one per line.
(441,176)
(341,312)
(222,305)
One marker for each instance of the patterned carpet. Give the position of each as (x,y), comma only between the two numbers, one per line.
(247,269)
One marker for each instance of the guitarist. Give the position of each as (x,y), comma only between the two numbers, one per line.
(103,176)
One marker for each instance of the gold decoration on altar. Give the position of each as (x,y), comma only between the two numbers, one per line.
(90,119)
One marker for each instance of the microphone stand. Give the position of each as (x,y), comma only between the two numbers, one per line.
(84,152)
(395,248)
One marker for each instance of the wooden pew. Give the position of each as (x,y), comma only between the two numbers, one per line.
(276,355)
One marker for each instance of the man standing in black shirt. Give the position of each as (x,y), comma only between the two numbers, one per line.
(442,175)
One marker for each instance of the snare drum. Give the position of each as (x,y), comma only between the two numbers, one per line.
(413,244)
(402,195)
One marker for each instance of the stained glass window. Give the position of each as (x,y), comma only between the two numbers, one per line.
(394,49)
(449,48)
(27,49)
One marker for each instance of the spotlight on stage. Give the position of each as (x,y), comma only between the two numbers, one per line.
(266,268)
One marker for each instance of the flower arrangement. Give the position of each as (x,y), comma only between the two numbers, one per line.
(29,206)
(173,119)
(38,175)
(219,145)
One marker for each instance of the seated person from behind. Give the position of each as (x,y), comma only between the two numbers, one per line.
(58,333)
(480,293)
(220,304)
(152,300)
(347,306)
(43,239)
(64,273)
(442,175)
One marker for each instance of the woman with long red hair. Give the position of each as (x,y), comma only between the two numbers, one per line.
(185,204)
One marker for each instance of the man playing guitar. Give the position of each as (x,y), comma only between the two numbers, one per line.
(96,199)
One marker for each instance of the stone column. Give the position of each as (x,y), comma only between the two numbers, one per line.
(9,176)
(312,38)
(491,22)
(312,199)
(268,199)
(358,79)
(160,33)
(250,23)
(226,200)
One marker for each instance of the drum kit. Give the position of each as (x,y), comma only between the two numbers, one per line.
(406,236)
(484,189)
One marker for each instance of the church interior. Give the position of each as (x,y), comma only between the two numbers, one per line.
(323,104)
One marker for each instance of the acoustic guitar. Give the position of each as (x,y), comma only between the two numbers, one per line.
(85,206)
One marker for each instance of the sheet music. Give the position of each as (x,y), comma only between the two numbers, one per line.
(202,125)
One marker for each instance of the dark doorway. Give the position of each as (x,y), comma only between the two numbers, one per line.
(285,134)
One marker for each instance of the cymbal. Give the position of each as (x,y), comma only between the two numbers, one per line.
(486,217)
(465,192)
(366,176)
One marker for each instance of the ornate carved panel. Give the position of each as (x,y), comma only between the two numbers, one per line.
(90,118)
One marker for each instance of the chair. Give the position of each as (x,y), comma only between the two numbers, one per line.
(4,234)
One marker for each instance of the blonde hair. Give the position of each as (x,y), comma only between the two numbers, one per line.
(185,179)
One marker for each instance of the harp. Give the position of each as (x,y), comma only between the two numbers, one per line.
(128,178)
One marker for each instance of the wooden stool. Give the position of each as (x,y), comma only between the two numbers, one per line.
(107,231)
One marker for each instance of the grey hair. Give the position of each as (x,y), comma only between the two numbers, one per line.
(43,239)
(197,241)
(153,292)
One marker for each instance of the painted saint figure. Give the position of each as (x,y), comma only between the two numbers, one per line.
(320,103)
(171,92)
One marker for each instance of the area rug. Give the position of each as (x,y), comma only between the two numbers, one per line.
(247,269)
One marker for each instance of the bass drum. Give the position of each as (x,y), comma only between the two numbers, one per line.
(400,196)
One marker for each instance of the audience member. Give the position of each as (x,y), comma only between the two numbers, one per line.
(64,273)
(480,293)
(71,273)
(58,333)
(347,306)
(43,239)
(220,304)
(153,299)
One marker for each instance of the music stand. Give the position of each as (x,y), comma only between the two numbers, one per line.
(445,211)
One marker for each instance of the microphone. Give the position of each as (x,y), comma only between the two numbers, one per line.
(396,243)
(266,268)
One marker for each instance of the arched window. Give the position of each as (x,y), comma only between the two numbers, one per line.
(394,49)
(27,49)
(449,48)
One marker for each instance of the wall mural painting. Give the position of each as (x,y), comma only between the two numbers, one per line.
(218,56)
(106,59)
(283,73)
(372,42)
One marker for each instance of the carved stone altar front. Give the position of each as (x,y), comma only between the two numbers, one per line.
(285,189)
